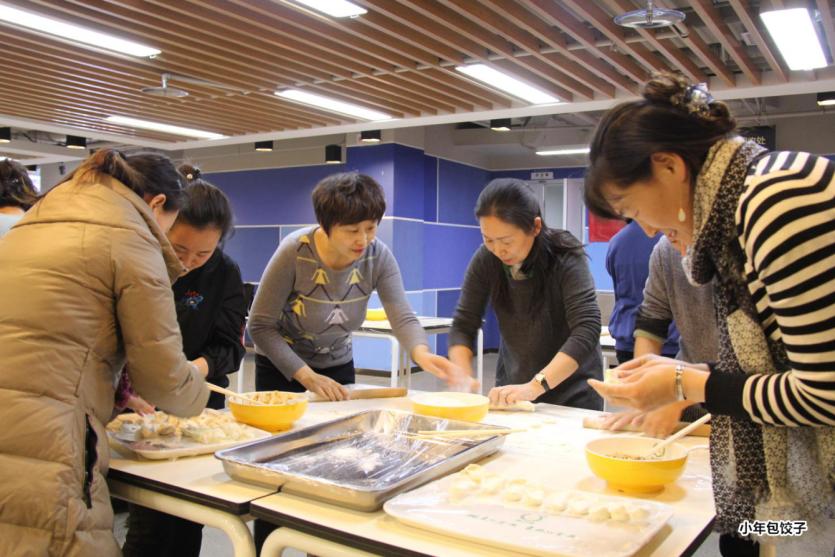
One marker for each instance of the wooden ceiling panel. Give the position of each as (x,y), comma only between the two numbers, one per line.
(400,58)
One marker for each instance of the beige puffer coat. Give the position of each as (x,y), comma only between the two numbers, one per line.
(85,284)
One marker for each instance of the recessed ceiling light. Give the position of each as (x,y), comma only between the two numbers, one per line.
(264,146)
(370,136)
(165,128)
(74,32)
(507,83)
(794,34)
(333,154)
(500,125)
(5,135)
(564,151)
(334,8)
(826,98)
(333,105)
(76,142)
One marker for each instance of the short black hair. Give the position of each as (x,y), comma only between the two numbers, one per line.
(347,198)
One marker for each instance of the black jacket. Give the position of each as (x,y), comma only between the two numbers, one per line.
(211,312)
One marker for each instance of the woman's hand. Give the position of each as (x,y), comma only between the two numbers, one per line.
(511,394)
(440,367)
(139,405)
(644,383)
(656,423)
(320,384)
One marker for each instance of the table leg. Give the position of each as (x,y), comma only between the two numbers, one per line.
(479,360)
(283,538)
(232,525)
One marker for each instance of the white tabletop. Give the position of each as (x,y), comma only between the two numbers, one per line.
(428,323)
(551,453)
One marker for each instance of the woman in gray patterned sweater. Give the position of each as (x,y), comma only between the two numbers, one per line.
(761,227)
(315,291)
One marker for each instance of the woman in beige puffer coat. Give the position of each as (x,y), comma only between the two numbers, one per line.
(85,287)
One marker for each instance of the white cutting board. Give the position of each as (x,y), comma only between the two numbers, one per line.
(513,527)
(169,447)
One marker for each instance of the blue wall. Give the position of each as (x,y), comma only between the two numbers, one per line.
(429,225)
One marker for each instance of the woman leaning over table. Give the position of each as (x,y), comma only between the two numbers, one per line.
(761,227)
(85,286)
(211,312)
(538,280)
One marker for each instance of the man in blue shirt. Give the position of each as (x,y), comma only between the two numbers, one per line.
(627,262)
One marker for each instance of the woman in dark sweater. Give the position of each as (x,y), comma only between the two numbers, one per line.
(538,281)
(211,312)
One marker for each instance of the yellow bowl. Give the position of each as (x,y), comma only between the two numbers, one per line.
(635,476)
(468,407)
(269,417)
(377,314)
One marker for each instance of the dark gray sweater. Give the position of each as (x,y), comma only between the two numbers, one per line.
(569,322)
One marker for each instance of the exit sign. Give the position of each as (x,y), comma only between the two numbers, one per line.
(542,175)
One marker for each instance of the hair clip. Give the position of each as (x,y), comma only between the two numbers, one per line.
(189,176)
(697,99)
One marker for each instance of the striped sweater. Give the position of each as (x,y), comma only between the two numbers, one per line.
(785,223)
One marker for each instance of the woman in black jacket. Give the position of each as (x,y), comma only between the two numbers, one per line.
(211,312)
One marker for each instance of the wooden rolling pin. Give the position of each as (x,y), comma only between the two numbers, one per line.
(591,422)
(357,394)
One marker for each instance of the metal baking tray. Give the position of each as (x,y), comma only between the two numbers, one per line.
(359,461)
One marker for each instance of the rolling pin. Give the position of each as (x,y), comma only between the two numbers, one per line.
(597,423)
(357,394)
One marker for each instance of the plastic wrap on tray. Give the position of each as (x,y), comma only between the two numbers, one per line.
(360,460)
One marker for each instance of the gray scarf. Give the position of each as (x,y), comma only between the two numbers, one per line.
(760,472)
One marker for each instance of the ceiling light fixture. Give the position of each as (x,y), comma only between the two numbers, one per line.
(564,151)
(76,142)
(165,128)
(264,146)
(826,98)
(371,136)
(5,135)
(797,39)
(332,105)
(334,8)
(500,125)
(333,154)
(507,83)
(650,18)
(74,32)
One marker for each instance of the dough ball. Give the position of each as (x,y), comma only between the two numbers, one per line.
(475,472)
(637,513)
(598,512)
(462,487)
(578,507)
(513,493)
(491,485)
(556,502)
(534,496)
(618,512)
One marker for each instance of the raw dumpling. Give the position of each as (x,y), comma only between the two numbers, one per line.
(534,496)
(513,492)
(578,507)
(618,512)
(462,487)
(598,512)
(556,502)
(491,485)
(637,513)
(475,472)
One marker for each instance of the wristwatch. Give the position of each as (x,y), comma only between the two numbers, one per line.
(540,377)
(679,386)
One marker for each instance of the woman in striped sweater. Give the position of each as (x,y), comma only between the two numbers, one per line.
(761,227)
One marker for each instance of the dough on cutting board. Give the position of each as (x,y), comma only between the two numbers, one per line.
(534,496)
(462,487)
(491,485)
(618,512)
(475,472)
(518,406)
(513,492)
(598,512)
(637,513)
(578,507)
